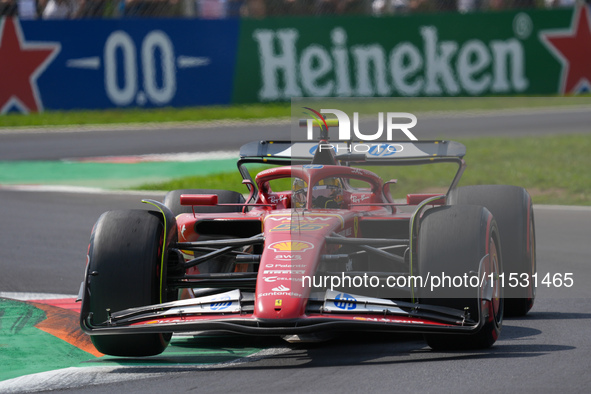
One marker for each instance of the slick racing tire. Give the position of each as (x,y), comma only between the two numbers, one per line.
(512,208)
(458,242)
(173,201)
(125,270)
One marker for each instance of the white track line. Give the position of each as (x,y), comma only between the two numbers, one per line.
(33,296)
(563,208)
(77,377)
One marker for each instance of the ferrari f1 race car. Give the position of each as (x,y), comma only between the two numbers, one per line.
(331,251)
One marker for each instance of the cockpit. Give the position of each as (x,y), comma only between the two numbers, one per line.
(333,187)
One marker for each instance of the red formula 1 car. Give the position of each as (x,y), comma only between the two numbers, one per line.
(333,251)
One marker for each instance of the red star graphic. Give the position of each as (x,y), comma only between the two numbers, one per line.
(573,48)
(21,63)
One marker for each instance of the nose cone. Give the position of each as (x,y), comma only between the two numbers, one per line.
(294,244)
(280,294)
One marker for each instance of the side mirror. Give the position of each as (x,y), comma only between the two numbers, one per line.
(251,188)
(199,199)
(386,188)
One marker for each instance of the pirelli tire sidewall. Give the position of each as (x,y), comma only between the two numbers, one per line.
(125,271)
(459,241)
(513,210)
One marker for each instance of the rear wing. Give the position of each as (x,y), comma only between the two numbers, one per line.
(369,153)
(378,152)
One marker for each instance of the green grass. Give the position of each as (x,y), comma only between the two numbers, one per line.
(226,180)
(370,106)
(554,169)
(278,110)
(118,116)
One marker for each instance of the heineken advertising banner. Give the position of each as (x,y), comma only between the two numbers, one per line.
(150,63)
(115,63)
(536,52)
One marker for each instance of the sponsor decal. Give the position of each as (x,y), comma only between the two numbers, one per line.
(287,265)
(567,46)
(183,229)
(291,246)
(313,166)
(283,272)
(345,301)
(280,293)
(271,279)
(290,265)
(299,227)
(288,257)
(278,302)
(24,61)
(387,320)
(289,218)
(277,199)
(220,304)
(313,217)
(358,199)
(65,66)
(280,288)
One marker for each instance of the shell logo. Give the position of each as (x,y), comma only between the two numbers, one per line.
(291,246)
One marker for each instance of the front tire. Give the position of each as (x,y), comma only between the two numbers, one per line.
(461,241)
(125,270)
(513,211)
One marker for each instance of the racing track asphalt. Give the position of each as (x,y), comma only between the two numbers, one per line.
(43,240)
(43,144)
(43,249)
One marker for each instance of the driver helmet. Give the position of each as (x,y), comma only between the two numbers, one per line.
(299,193)
(328,194)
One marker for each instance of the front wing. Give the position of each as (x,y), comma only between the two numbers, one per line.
(234,312)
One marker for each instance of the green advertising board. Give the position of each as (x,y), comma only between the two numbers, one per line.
(537,52)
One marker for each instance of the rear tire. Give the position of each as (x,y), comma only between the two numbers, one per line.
(173,201)
(125,271)
(513,211)
(453,241)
